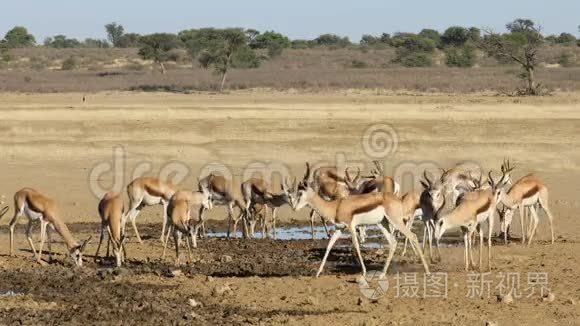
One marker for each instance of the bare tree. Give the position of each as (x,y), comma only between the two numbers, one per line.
(521,45)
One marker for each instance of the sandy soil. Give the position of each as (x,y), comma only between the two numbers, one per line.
(55,143)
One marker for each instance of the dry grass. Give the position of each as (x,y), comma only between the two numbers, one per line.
(38,70)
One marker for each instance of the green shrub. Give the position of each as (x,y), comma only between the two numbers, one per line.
(6,57)
(275,50)
(415,59)
(69,64)
(414,51)
(566,59)
(460,56)
(245,58)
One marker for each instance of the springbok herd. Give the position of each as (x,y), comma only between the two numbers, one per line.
(457,199)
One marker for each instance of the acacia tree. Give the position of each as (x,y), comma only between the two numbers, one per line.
(114,33)
(18,37)
(156,47)
(217,48)
(521,45)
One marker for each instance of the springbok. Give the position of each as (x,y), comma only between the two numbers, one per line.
(256,191)
(376,182)
(111,210)
(459,179)
(474,208)
(222,193)
(180,221)
(355,210)
(146,191)
(527,192)
(330,185)
(432,201)
(35,206)
(411,202)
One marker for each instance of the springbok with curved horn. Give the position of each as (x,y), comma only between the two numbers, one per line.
(35,206)
(527,192)
(111,210)
(146,191)
(376,182)
(355,210)
(474,208)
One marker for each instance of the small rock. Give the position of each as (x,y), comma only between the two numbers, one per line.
(571,301)
(490,323)
(550,297)
(221,290)
(359,302)
(283,298)
(312,301)
(225,258)
(194,303)
(176,273)
(209,279)
(507,299)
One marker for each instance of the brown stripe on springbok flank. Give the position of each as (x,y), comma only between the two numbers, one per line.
(152,190)
(484,207)
(531,192)
(31,205)
(367,208)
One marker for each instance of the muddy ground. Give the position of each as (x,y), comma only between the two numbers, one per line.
(51,142)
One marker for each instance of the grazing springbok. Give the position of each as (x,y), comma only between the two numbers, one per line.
(111,210)
(179,219)
(527,192)
(35,206)
(256,191)
(473,209)
(146,191)
(355,210)
(222,193)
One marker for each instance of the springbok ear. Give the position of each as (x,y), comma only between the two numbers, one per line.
(426,186)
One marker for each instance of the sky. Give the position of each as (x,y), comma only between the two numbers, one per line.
(298,19)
